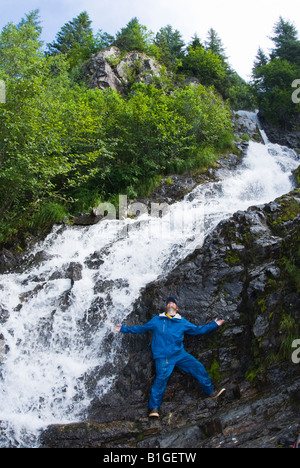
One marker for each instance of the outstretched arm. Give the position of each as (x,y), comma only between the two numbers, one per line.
(137,329)
(192,329)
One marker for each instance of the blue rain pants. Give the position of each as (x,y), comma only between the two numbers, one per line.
(164,368)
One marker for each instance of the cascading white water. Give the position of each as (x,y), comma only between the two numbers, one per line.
(58,330)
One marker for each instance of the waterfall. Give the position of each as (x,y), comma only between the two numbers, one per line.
(59,350)
(254,117)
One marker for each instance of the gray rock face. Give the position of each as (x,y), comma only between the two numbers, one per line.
(108,69)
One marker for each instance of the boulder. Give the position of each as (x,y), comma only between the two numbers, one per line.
(99,71)
(8,261)
(108,69)
(282,136)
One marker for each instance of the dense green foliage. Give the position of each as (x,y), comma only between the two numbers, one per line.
(65,147)
(273,77)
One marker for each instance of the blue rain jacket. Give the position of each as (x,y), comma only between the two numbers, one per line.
(168,334)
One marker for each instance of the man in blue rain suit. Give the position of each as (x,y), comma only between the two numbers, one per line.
(168,331)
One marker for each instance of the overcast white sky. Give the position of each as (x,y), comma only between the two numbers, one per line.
(242,25)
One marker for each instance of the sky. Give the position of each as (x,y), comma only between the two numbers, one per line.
(243,26)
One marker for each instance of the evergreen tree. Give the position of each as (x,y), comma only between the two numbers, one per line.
(196,42)
(173,40)
(261,59)
(171,45)
(77,32)
(287,45)
(134,37)
(284,31)
(32,19)
(214,43)
(273,77)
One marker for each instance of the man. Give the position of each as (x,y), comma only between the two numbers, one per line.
(168,331)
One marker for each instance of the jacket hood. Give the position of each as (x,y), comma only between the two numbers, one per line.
(177,316)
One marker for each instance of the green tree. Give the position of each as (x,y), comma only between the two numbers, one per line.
(63,146)
(273,77)
(20,47)
(285,36)
(274,91)
(75,32)
(32,19)
(195,42)
(170,45)
(287,45)
(261,59)
(204,65)
(134,37)
(77,42)
(215,45)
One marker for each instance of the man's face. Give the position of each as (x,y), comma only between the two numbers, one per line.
(172,308)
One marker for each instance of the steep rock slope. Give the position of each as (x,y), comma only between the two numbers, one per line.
(248,273)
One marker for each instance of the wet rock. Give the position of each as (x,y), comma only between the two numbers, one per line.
(94,261)
(86,219)
(74,272)
(261,326)
(8,261)
(250,287)
(254,420)
(30,294)
(245,127)
(2,349)
(282,136)
(4,315)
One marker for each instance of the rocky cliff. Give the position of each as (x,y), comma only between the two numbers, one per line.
(248,272)
(282,136)
(110,68)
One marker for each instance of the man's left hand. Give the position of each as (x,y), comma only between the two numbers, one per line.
(219,322)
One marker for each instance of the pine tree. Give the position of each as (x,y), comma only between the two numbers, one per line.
(171,46)
(74,33)
(287,45)
(261,59)
(196,42)
(284,31)
(214,43)
(134,36)
(32,19)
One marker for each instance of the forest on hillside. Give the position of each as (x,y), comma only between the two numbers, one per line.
(65,147)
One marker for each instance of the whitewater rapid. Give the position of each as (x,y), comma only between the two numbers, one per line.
(57,332)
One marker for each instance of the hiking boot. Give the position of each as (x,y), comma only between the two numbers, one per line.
(154,413)
(217,394)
